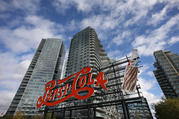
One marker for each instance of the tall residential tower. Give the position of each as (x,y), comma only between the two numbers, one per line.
(85,50)
(46,65)
(167,72)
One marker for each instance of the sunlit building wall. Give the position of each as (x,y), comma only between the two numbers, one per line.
(167,72)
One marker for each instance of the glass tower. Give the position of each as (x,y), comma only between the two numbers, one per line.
(167,72)
(46,65)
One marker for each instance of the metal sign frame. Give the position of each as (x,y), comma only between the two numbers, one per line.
(114,69)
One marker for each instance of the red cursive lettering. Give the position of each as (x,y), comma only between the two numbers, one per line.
(67,91)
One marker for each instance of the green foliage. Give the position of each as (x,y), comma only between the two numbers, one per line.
(19,115)
(37,117)
(167,109)
(7,117)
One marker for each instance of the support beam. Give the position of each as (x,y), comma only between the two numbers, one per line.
(94,113)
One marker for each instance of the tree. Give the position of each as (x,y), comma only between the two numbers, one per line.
(37,116)
(19,115)
(167,109)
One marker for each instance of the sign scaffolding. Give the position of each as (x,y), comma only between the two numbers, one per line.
(124,105)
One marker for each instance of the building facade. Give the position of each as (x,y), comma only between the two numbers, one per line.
(86,50)
(167,72)
(46,65)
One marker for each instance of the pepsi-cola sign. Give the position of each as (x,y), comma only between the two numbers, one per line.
(80,83)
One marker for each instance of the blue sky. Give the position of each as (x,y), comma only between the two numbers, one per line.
(121,25)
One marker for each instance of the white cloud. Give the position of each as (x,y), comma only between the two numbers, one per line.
(61,5)
(138,9)
(156,40)
(119,39)
(84,5)
(139,41)
(146,86)
(144,68)
(25,38)
(12,70)
(101,22)
(114,54)
(150,73)
(6,97)
(116,19)
(173,40)
(158,17)
(136,18)
(28,6)
(71,26)
(81,5)
(118,10)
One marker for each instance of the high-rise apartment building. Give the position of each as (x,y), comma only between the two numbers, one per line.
(167,72)
(46,65)
(86,50)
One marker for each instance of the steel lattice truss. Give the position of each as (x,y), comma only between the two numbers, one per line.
(113,96)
